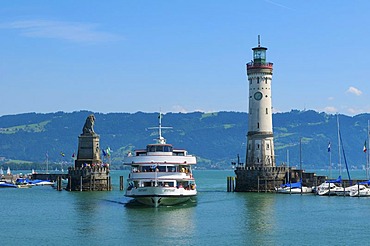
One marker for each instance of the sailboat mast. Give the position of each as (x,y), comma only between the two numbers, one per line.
(367,153)
(300,153)
(329,149)
(47,162)
(287,162)
(339,148)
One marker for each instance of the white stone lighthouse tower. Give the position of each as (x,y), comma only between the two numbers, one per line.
(260,139)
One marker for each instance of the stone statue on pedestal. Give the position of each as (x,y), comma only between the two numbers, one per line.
(88,128)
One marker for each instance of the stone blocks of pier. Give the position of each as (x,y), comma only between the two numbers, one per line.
(255,179)
(95,178)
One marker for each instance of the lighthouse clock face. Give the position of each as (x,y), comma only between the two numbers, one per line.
(258,95)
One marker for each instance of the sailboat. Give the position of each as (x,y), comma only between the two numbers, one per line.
(362,189)
(292,188)
(331,187)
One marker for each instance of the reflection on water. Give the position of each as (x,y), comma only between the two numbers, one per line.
(87,208)
(259,217)
(260,212)
(162,225)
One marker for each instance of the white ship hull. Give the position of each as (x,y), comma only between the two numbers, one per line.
(160,196)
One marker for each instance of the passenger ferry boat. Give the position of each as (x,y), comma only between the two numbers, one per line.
(160,175)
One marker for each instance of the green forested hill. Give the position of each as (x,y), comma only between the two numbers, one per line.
(215,138)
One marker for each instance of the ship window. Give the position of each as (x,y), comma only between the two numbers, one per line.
(167,149)
(146,169)
(169,184)
(151,148)
(161,169)
(179,153)
(171,169)
(159,148)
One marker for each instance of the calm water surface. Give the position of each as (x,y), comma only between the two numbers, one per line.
(44,216)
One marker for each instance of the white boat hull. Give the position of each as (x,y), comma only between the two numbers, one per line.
(328,189)
(360,191)
(288,190)
(160,196)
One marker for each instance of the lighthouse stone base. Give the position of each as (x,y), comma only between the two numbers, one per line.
(256,179)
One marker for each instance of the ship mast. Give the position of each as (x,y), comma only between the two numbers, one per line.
(160,139)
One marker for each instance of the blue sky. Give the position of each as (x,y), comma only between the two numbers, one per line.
(181,56)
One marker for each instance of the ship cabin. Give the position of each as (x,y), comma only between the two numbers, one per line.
(160,149)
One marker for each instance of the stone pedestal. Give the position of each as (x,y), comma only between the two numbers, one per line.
(88,151)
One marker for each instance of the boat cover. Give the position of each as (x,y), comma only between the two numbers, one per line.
(365,182)
(292,185)
(338,180)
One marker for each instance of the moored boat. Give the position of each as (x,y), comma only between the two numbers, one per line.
(293,188)
(4,184)
(329,187)
(160,174)
(361,189)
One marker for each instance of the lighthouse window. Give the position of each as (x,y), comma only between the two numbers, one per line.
(258,125)
(267,146)
(258,80)
(258,146)
(267,111)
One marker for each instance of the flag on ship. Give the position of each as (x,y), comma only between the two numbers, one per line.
(365,149)
(329,147)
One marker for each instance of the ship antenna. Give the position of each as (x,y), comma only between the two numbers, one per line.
(160,139)
(259,41)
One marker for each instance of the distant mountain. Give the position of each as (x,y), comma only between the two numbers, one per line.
(215,138)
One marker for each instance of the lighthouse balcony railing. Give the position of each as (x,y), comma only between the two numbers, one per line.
(251,65)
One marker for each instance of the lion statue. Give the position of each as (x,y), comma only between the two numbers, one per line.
(88,128)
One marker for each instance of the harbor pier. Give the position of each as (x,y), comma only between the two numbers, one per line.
(89,179)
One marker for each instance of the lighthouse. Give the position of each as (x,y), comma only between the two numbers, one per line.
(260,139)
(260,172)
